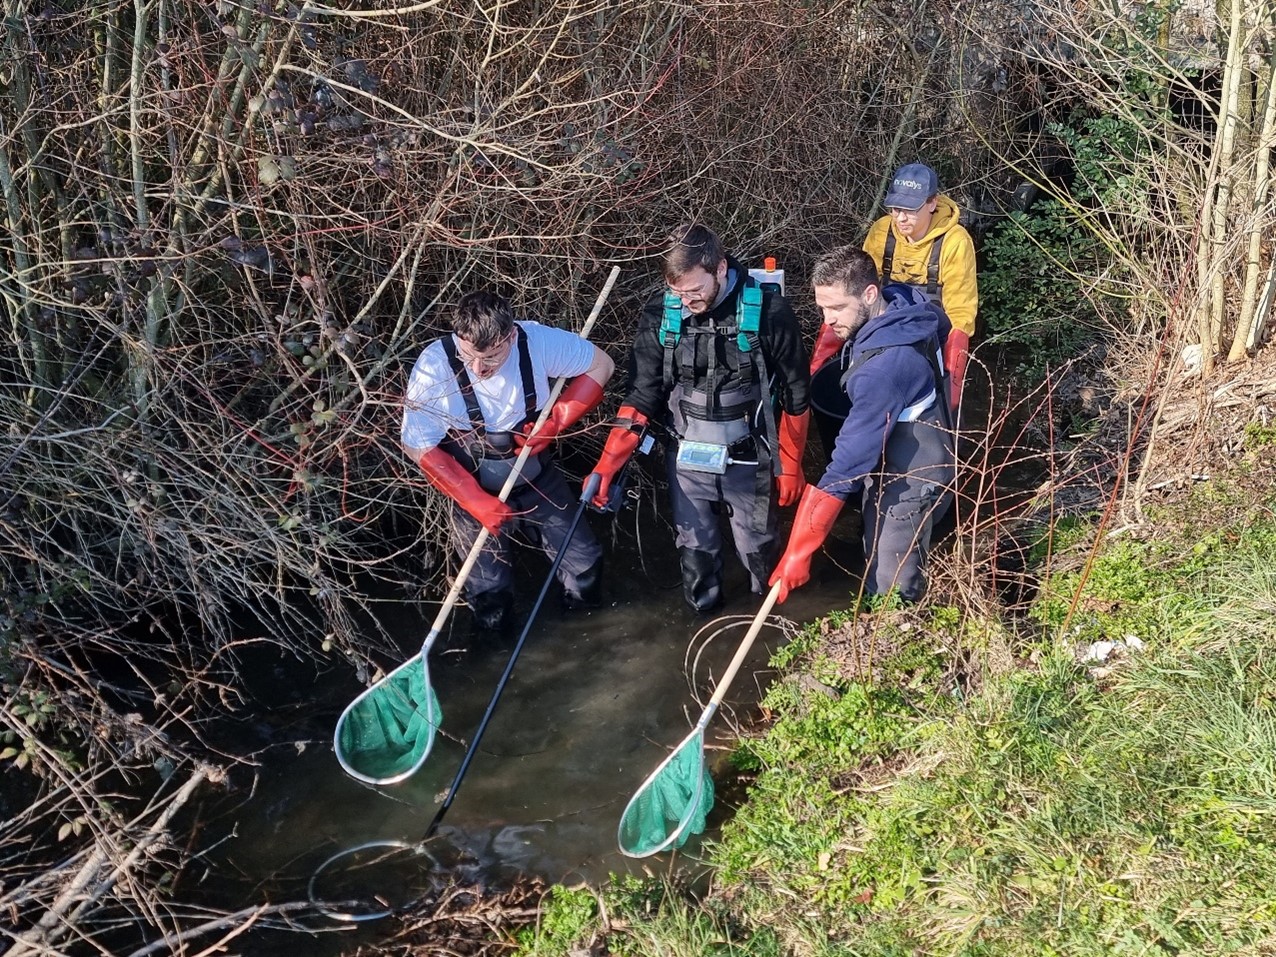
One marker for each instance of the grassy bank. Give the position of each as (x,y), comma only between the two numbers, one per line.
(936,786)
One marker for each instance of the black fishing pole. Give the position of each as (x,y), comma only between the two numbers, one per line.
(379,854)
(614,500)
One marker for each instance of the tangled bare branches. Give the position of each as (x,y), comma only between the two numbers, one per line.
(232,226)
(232,229)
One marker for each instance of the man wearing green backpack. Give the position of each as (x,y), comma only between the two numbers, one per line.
(718,365)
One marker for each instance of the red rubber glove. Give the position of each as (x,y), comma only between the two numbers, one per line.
(816,514)
(621,442)
(581,395)
(956,352)
(452,479)
(827,345)
(791,480)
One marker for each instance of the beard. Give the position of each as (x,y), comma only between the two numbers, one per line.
(858,323)
(711,299)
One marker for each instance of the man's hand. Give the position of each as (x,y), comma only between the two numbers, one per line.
(451,478)
(540,442)
(827,345)
(791,480)
(582,394)
(956,354)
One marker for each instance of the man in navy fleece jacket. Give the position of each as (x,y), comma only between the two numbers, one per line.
(895,448)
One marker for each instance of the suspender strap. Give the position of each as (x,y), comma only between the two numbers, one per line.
(748,321)
(931,348)
(525,372)
(932,267)
(466,385)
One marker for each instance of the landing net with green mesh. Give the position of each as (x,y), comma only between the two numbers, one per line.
(672,803)
(386,732)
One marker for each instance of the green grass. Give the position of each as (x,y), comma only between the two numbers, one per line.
(568,917)
(1059,810)
(1051,817)
(645,917)
(1257,435)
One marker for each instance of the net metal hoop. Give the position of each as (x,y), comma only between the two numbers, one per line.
(423,658)
(696,736)
(352,917)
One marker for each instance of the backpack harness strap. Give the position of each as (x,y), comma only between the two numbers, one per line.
(932,267)
(929,350)
(748,321)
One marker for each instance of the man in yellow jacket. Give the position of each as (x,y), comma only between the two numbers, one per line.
(921,243)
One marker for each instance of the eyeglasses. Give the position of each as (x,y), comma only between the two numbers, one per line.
(697,292)
(488,358)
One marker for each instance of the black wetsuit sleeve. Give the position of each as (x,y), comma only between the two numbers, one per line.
(645,390)
(787,359)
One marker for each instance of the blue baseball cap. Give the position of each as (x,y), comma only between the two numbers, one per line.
(911,186)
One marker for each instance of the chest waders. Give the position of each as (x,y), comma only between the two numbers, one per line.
(913,485)
(720,416)
(490,454)
(933,288)
(713,422)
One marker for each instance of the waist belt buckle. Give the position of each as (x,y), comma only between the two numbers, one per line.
(702,457)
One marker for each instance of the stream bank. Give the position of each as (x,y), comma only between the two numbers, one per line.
(1087,772)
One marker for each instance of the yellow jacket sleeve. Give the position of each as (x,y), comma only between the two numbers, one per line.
(957,275)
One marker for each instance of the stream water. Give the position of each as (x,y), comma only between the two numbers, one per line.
(597,700)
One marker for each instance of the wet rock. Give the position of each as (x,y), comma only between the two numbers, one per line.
(812,685)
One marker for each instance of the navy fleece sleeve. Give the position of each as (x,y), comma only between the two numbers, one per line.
(877,398)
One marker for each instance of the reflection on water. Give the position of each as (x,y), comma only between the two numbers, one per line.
(598,699)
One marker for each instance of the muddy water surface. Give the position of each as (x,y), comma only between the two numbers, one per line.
(596,701)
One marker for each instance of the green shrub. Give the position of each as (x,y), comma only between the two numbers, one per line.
(566,920)
(1040,288)
(1031,292)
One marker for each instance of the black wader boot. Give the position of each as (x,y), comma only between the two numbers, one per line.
(493,610)
(760,566)
(701,579)
(587,590)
